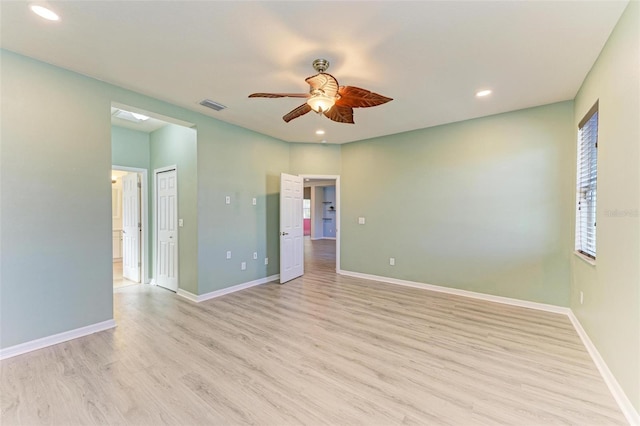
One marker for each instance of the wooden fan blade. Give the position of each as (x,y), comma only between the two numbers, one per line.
(341,114)
(325,83)
(279,95)
(301,110)
(356,97)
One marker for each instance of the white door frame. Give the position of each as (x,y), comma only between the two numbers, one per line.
(154,212)
(144,216)
(338,209)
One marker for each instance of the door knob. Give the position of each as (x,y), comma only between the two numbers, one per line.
(284,233)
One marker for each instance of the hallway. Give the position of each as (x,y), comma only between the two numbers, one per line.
(319,255)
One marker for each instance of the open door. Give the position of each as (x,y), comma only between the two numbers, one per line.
(131,227)
(291,228)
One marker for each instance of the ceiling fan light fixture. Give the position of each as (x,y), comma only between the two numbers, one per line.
(320,103)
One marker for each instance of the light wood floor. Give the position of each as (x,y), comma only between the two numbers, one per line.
(118,278)
(323,349)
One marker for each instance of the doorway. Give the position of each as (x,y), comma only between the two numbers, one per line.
(129,225)
(324,217)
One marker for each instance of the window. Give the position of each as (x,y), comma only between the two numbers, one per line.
(306,209)
(587,183)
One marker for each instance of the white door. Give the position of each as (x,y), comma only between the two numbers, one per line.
(167,236)
(131,227)
(291,228)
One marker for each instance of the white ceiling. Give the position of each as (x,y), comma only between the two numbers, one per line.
(429,56)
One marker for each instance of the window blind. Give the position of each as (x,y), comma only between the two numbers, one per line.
(587,183)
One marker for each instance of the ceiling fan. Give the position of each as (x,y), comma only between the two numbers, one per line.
(328,98)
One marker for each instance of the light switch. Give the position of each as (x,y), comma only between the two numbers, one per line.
(361,221)
(228,255)
(227,200)
(255,255)
(254,201)
(180,223)
(243,266)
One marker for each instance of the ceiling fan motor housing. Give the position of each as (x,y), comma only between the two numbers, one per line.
(321,65)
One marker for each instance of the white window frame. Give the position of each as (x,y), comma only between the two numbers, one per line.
(586,185)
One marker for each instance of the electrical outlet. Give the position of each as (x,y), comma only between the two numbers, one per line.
(361,221)
(243,266)
(581,298)
(392,261)
(228,255)
(227,200)
(266,260)
(255,255)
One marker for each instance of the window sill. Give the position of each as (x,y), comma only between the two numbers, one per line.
(585,259)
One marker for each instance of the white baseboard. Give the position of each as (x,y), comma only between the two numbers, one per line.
(614,387)
(458,292)
(621,398)
(152,281)
(55,339)
(211,295)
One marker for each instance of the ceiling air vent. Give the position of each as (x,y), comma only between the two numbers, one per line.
(213,105)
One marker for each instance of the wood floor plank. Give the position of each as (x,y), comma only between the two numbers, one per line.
(321,349)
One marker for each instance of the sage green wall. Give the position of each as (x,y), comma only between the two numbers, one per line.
(55,176)
(483,205)
(130,148)
(55,189)
(242,165)
(315,159)
(174,145)
(611,311)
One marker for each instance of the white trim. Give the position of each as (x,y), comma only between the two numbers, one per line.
(326,238)
(55,339)
(338,209)
(144,218)
(217,293)
(463,293)
(616,390)
(584,258)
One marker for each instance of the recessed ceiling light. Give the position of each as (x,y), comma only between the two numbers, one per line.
(45,13)
(130,116)
(319,132)
(140,117)
(482,93)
